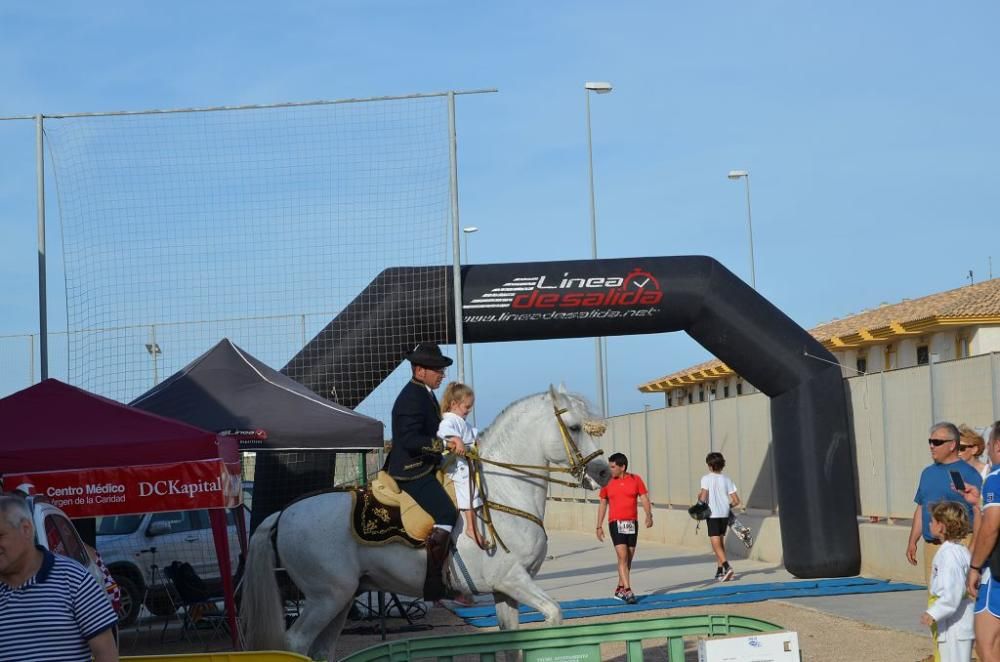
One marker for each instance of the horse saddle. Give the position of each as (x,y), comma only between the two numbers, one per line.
(383,513)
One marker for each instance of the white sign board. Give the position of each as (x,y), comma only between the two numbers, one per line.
(769,647)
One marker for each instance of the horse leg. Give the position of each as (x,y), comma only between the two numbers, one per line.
(328,638)
(507,615)
(520,587)
(508,619)
(320,612)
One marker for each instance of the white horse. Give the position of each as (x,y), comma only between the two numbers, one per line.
(529,439)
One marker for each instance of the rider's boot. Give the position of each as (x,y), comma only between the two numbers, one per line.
(437,551)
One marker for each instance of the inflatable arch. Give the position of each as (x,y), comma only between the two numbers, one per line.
(583,298)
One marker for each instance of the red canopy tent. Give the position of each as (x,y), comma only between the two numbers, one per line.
(93,456)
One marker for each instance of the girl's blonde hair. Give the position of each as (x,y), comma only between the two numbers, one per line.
(454,392)
(969,437)
(954,518)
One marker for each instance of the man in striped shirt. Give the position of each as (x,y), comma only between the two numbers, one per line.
(51,608)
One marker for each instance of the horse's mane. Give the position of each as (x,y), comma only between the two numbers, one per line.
(574,398)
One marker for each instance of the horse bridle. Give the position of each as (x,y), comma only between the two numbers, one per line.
(577,462)
(577,468)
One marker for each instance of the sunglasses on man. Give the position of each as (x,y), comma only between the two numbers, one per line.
(938,442)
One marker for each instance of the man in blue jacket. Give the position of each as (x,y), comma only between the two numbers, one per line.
(415,419)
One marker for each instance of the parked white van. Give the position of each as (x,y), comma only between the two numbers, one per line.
(131,545)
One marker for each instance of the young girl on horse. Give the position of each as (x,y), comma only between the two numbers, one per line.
(459,436)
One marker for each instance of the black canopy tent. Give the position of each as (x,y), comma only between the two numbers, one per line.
(229,391)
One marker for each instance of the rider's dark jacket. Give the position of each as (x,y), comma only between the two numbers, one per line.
(415,420)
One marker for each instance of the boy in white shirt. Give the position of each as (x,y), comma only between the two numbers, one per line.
(719,492)
(950,614)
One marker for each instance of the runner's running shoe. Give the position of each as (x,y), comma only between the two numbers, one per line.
(630,597)
(728,574)
(620,593)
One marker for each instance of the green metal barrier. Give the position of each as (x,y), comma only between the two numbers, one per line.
(580,643)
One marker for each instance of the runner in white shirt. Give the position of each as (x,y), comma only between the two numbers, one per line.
(719,492)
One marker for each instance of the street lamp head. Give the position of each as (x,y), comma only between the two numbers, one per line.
(737,174)
(470,229)
(601,87)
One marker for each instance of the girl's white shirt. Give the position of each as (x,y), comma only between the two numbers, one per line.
(453,425)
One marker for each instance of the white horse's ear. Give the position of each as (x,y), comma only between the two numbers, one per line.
(552,393)
(562,388)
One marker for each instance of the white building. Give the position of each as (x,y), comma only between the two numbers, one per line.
(948,325)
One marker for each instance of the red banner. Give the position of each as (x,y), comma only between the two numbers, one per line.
(144,489)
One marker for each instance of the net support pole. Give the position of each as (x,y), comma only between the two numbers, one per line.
(456,235)
(43,320)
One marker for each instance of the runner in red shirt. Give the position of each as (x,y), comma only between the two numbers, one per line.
(621,493)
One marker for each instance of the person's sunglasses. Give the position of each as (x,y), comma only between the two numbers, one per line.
(963,447)
(938,442)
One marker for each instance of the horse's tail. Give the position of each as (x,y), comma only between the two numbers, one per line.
(262,609)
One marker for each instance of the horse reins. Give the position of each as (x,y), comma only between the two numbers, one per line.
(578,465)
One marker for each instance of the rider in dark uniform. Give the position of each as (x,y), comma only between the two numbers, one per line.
(415,419)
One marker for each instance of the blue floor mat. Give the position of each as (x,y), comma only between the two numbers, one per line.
(485,616)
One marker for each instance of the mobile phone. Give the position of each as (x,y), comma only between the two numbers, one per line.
(956,480)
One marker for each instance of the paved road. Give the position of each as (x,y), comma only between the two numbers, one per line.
(582,567)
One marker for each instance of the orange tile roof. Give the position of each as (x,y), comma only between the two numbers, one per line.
(972,304)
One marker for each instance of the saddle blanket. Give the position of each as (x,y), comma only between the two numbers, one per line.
(485,616)
(374,523)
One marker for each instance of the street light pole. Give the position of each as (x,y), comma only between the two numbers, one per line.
(467,231)
(745,175)
(599,88)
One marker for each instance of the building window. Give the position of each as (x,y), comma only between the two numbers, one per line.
(862,365)
(690,397)
(961,347)
(739,388)
(890,357)
(725,391)
(701,394)
(923,355)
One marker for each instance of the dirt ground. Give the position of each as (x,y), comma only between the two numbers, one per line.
(822,637)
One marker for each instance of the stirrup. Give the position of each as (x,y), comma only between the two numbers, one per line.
(483,545)
(480,538)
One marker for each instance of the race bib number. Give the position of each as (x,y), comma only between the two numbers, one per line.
(626,526)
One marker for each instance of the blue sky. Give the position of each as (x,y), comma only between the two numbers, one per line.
(869,130)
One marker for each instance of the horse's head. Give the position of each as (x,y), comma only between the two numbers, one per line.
(573,442)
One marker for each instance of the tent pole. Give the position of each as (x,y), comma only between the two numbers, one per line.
(219,533)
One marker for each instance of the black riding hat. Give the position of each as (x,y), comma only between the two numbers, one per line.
(428,355)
